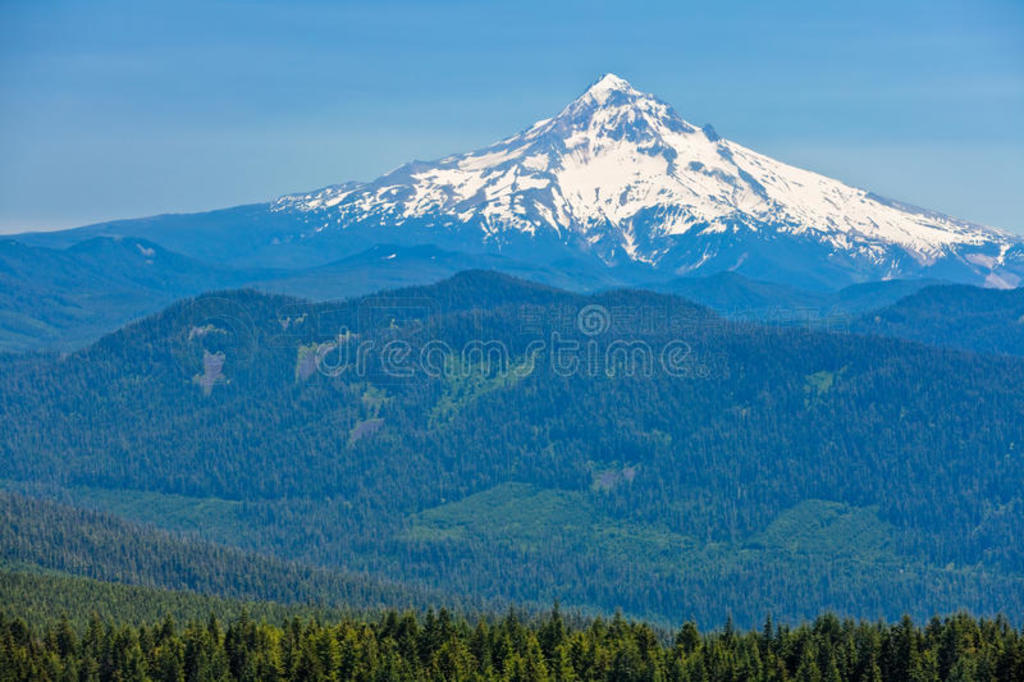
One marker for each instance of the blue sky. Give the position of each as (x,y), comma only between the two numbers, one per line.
(122,109)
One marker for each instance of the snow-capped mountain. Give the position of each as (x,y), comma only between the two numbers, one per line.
(619,175)
(617,187)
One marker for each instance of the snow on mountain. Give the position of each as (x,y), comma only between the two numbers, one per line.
(620,175)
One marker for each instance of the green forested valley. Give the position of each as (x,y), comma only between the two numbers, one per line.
(431,437)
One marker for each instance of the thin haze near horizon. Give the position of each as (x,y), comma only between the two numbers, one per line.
(118,109)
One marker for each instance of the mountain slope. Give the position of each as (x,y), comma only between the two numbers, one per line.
(63,299)
(54,537)
(45,596)
(954,316)
(60,299)
(389,266)
(746,468)
(734,295)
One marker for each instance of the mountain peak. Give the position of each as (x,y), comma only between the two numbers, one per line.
(607,85)
(612,105)
(620,176)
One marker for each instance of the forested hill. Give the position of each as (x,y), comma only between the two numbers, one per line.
(504,439)
(983,320)
(56,538)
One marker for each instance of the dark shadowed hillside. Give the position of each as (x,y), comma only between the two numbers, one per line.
(982,320)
